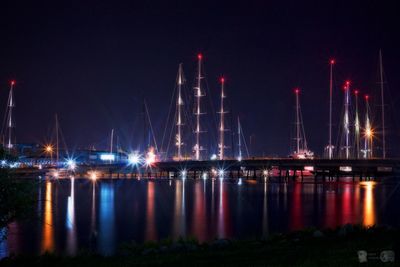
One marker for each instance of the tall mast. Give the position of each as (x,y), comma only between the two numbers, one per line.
(179,104)
(382,105)
(222,123)
(357,127)
(239,139)
(347,119)
(57,143)
(298,138)
(198,95)
(330,147)
(10,118)
(111,141)
(368,131)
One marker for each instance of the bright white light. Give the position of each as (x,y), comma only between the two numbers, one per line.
(204,175)
(71,164)
(56,174)
(221,172)
(240,182)
(3,163)
(110,157)
(265,172)
(213,157)
(134,158)
(183,173)
(239,158)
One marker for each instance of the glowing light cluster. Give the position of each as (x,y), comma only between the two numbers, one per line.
(150,157)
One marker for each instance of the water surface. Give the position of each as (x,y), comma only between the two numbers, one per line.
(77,214)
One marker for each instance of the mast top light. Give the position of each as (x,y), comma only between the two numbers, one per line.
(12,82)
(356,92)
(332,61)
(297,90)
(222,80)
(366,97)
(200,56)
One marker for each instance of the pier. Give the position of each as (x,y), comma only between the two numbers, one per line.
(284,169)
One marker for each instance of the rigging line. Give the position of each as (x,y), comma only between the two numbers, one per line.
(168,118)
(151,125)
(244,141)
(4,127)
(170,138)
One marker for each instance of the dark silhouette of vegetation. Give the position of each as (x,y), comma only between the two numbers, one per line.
(309,247)
(16,196)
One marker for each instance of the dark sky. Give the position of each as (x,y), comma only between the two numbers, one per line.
(92,62)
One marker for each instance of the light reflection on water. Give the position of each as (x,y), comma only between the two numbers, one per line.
(100,215)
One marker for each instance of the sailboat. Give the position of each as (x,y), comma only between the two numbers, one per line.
(301,152)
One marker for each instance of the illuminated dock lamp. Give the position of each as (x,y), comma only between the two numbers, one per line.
(183,173)
(204,176)
(93,175)
(214,157)
(71,164)
(134,159)
(221,173)
(150,157)
(265,172)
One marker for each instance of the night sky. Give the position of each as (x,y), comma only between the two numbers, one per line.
(93,62)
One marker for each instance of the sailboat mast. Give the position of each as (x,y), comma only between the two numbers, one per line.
(357,127)
(222,123)
(240,141)
(347,119)
(57,141)
(368,131)
(111,141)
(179,103)
(382,105)
(297,91)
(330,148)
(198,95)
(10,109)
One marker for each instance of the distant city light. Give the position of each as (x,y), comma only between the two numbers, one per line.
(265,172)
(240,182)
(56,174)
(204,175)
(110,157)
(221,172)
(213,157)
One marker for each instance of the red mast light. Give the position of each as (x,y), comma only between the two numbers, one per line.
(12,82)
(332,61)
(200,56)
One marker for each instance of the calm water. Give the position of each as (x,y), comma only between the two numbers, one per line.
(81,214)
